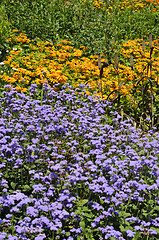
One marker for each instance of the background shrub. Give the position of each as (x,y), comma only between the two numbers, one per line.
(5,30)
(98,25)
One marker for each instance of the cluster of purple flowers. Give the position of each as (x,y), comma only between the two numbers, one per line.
(70,168)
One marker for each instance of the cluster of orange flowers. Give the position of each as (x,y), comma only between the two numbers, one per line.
(123,78)
(98,4)
(37,63)
(139,5)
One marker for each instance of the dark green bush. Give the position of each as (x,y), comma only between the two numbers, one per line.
(5,30)
(80,23)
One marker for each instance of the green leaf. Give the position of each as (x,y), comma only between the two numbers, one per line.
(77,212)
(86,209)
(125,215)
(82,224)
(156,208)
(124,229)
(33,166)
(67,234)
(137,236)
(26,188)
(13,185)
(25,46)
(82,202)
(88,215)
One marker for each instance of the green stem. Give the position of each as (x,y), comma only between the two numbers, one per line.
(42,93)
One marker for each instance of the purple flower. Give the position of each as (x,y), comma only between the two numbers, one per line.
(35,140)
(76,230)
(14,209)
(93,224)
(32,211)
(65,151)
(130,233)
(152,231)
(4,183)
(38,188)
(40,237)
(131,219)
(19,229)
(109,231)
(2,235)
(10,237)
(145,224)
(138,228)
(97,206)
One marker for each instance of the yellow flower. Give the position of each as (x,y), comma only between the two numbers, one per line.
(77,53)
(15,30)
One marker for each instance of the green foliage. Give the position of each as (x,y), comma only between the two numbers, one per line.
(81,23)
(5,29)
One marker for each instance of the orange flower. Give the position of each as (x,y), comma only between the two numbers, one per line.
(15,30)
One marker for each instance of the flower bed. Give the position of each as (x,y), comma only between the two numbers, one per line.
(71,169)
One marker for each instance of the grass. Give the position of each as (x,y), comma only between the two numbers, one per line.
(79,141)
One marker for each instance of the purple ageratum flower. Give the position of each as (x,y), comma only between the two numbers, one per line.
(3,235)
(14,209)
(10,237)
(24,202)
(30,229)
(93,224)
(18,195)
(38,188)
(138,228)
(40,237)
(2,165)
(27,219)
(18,163)
(8,86)
(130,233)
(19,229)
(19,151)
(41,221)
(152,231)
(97,206)
(145,224)
(56,224)
(4,183)
(35,140)
(36,176)
(76,230)
(70,238)
(32,211)
(110,232)
(131,219)
(111,168)
(32,89)
(107,189)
